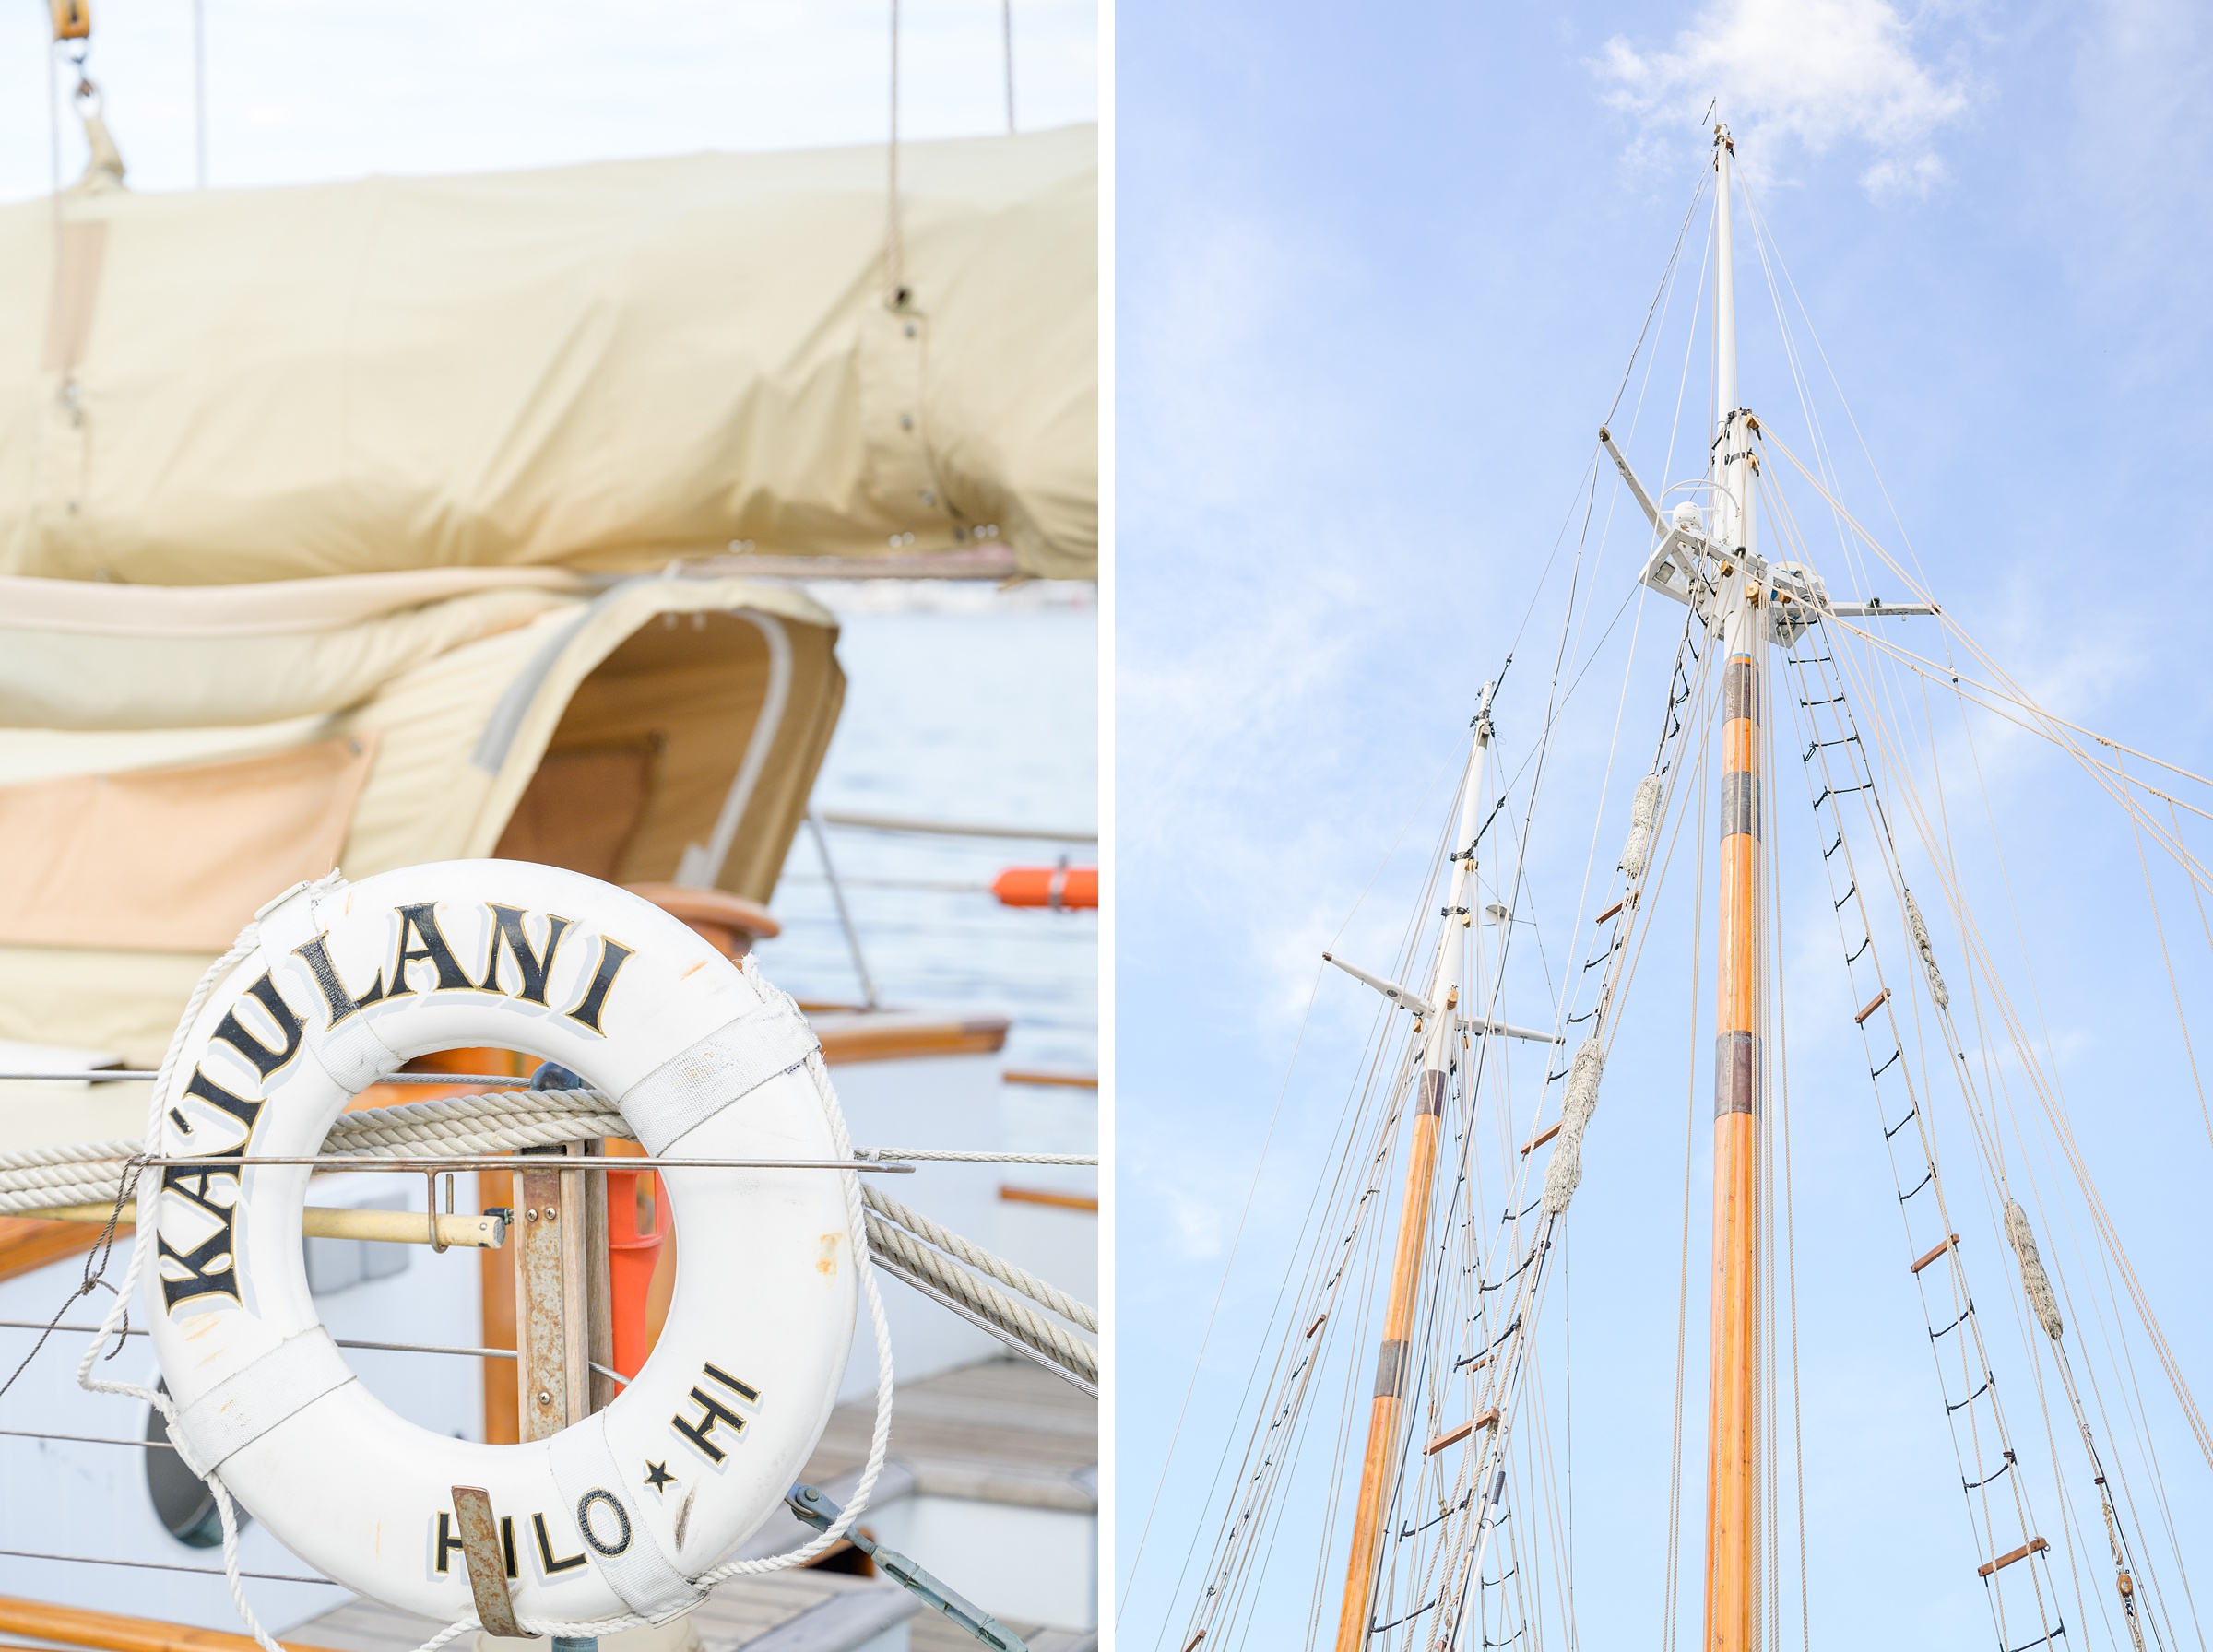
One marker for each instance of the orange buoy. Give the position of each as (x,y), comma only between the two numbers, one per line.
(1058,886)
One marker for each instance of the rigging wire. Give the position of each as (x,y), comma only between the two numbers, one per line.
(1252,1188)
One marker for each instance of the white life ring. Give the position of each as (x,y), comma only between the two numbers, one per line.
(615,1514)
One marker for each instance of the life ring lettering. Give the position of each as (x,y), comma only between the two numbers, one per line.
(705,1060)
(600,1497)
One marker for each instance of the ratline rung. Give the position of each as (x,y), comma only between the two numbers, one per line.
(2047,1640)
(1956,1324)
(1987,1380)
(1417,1611)
(1465,1497)
(1878,1072)
(1987,1478)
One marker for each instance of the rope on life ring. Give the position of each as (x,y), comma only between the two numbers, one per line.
(329,988)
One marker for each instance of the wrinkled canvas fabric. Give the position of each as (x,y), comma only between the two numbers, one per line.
(602,367)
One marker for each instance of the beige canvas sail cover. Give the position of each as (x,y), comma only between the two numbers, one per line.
(171,759)
(603,367)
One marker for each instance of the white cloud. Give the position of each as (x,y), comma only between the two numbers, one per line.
(1814,73)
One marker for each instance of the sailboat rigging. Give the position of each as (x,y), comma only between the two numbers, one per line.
(1451,1536)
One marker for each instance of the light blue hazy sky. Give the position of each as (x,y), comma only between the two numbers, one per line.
(1380,269)
(303,90)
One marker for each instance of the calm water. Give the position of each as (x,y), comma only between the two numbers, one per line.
(964,705)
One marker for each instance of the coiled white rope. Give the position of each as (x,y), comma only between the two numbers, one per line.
(1011,1316)
(976,1256)
(33,1179)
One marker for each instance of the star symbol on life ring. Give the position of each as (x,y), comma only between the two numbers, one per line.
(657,1475)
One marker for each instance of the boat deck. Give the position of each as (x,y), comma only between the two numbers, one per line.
(1004,1431)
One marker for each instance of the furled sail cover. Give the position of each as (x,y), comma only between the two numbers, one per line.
(604,367)
(173,758)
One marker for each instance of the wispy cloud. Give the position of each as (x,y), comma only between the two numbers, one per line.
(1812,74)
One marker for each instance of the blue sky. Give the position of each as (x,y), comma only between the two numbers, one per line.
(305,90)
(1379,271)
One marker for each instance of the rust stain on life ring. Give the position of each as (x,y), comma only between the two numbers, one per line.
(826,1265)
(694,969)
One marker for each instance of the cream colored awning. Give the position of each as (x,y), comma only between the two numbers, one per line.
(599,368)
(179,756)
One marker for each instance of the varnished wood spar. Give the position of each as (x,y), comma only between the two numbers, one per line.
(1386,1408)
(1733,1503)
(1732,1469)
(1377,1462)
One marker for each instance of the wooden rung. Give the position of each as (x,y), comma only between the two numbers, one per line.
(1611,911)
(1449,1438)
(2033,1546)
(1194,1641)
(1873,1004)
(1316,1326)
(1487,1417)
(1540,1138)
(1924,1261)
(1481,1362)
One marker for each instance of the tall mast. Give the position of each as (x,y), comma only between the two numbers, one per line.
(1414,1214)
(1733,1409)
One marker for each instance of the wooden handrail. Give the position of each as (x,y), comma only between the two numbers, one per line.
(112,1632)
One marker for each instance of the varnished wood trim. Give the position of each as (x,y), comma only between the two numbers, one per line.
(28,1243)
(901,1038)
(1058,1201)
(80,1626)
(1025,1075)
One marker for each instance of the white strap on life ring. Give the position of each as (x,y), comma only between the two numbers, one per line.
(733,1061)
(614,1515)
(635,1564)
(261,1393)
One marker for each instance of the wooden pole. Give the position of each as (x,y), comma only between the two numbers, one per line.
(1733,1372)
(1732,1411)
(1386,1409)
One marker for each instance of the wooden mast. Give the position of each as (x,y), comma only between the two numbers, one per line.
(1732,1409)
(1388,1407)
